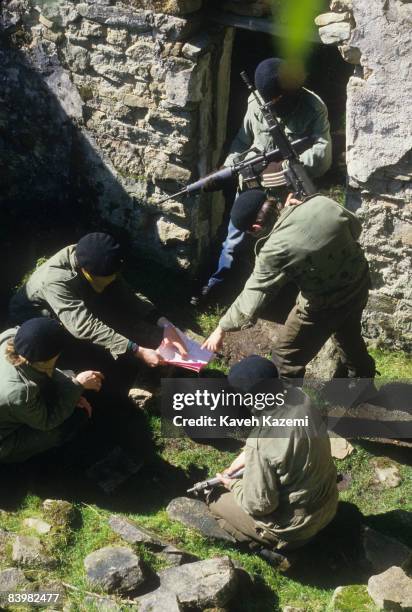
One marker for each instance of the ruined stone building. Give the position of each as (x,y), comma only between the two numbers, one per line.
(113,105)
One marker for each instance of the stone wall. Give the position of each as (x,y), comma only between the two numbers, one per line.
(376,38)
(151,105)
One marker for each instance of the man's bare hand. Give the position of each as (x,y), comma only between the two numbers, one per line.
(171,336)
(291,200)
(225,481)
(91,380)
(86,406)
(215,340)
(150,357)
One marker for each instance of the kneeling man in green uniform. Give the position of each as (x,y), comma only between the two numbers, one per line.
(40,406)
(288,491)
(313,244)
(81,285)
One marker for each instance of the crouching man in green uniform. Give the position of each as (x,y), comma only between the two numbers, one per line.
(81,286)
(288,491)
(313,244)
(40,406)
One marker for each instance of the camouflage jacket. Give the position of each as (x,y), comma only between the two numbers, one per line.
(313,245)
(309,118)
(29,397)
(59,285)
(289,483)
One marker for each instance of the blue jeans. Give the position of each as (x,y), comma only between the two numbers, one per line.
(233,240)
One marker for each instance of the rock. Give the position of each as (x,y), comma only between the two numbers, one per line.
(140,397)
(335,33)
(116,16)
(59,512)
(131,532)
(352,597)
(28,551)
(169,233)
(350,54)
(195,514)
(387,474)
(382,552)
(160,599)
(37,524)
(117,36)
(11,579)
(340,447)
(114,569)
(201,584)
(292,609)
(391,590)
(174,28)
(327,18)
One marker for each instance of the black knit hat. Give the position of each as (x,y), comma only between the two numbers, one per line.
(267,80)
(246,207)
(252,370)
(40,339)
(99,254)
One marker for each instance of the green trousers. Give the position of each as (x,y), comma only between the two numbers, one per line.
(26,442)
(306,331)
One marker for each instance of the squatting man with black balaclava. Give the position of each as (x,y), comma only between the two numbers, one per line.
(82,286)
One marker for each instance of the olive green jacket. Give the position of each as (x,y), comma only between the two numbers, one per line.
(60,286)
(313,245)
(309,118)
(29,397)
(289,483)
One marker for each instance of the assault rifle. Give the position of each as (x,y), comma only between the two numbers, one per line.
(250,170)
(212,482)
(295,174)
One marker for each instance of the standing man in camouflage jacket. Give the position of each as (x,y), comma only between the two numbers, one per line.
(302,113)
(313,244)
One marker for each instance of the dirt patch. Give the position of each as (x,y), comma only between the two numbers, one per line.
(257,340)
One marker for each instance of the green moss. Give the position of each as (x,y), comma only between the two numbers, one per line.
(353,597)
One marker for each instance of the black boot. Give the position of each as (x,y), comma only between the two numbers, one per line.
(275,559)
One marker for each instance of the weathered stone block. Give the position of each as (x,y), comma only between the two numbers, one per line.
(11,579)
(327,18)
(391,590)
(114,569)
(170,233)
(131,532)
(175,28)
(160,599)
(350,54)
(117,16)
(28,551)
(118,37)
(335,33)
(77,58)
(202,584)
(143,52)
